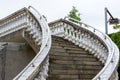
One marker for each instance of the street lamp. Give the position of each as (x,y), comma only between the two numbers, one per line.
(111,20)
(114,21)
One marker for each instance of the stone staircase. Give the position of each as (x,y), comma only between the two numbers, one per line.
(70,62)
(80,53)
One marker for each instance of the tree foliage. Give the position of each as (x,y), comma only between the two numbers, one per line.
(116,26)
(74,14)
(116,38)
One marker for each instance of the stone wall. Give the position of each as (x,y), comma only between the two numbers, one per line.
(18,55)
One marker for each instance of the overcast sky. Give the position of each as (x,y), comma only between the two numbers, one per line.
(92,11)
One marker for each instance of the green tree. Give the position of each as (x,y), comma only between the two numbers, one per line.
(116,26)
(115,38)
(74,15)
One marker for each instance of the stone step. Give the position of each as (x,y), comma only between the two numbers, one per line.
(70,77)
(88,58)
(67,47)
(68,50)
(64,43)
(57,78)
(70,66)
(75,62)
(63,54)
(70,62)
(67,76)
(73,72)
(56,38)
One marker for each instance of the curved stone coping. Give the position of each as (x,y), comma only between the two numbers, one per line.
(40,60)
(12,23)
(96,34)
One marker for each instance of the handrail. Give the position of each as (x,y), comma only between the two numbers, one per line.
(42,54)
(34,10)
(110,47)
(106,41)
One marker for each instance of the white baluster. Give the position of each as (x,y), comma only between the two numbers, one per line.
(81,40)
(77,38)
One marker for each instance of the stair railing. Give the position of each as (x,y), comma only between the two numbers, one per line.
(93,40)
(29,20)
(38,67)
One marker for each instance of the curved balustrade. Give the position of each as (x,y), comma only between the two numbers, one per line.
(32,22)
(39,65)
(91,39)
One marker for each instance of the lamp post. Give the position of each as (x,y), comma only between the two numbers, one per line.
(111,20)
(106,22)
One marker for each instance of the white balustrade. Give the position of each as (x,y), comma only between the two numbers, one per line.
(39,65)
(97,43)
(37,26)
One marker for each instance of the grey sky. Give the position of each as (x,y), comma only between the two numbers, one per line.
(92,10)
